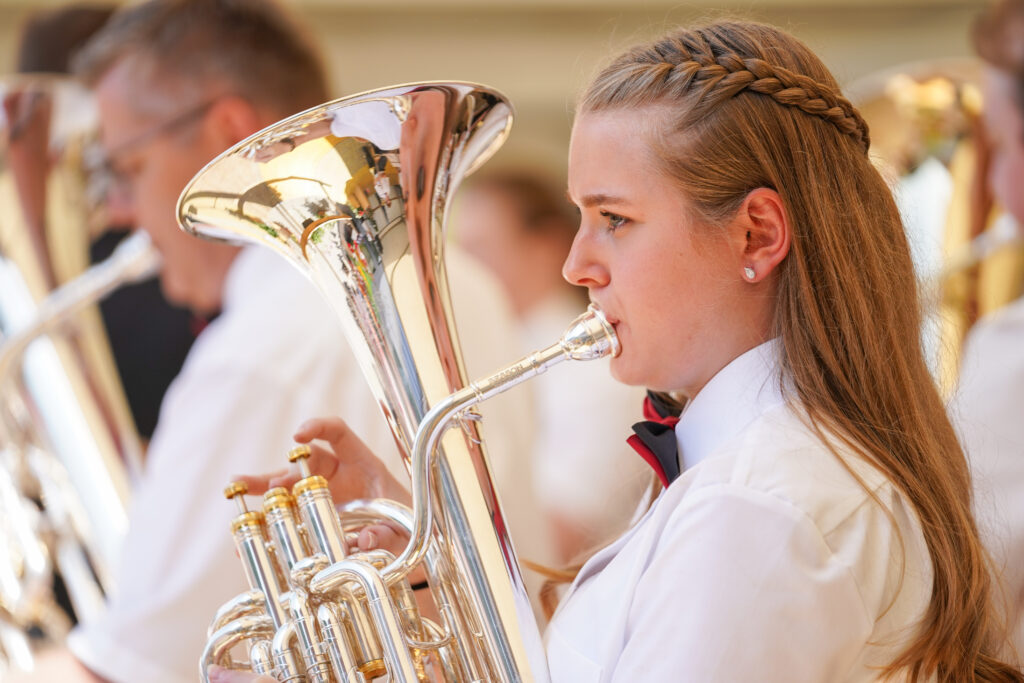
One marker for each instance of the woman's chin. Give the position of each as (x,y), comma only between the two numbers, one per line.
(622,372)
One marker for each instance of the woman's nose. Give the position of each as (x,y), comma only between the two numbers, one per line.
(582,266)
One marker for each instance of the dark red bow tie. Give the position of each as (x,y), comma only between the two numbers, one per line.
(655,439)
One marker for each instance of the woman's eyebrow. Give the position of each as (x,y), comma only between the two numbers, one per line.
(597,198)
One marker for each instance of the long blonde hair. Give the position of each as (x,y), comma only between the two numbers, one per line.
(744,106)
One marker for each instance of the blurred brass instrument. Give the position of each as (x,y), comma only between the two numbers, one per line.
(309,188)
(926,133)
(67,439)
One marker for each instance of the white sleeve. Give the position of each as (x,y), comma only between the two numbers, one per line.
(179,563)
(743,587)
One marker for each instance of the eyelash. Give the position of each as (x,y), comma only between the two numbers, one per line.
(615,221)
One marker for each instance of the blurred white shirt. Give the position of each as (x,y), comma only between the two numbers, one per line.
(988,410)
(764,561)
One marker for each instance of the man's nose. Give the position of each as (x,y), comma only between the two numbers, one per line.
(119,206)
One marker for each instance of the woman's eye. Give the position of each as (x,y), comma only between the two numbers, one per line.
(615,221)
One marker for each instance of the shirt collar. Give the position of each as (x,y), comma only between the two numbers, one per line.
(740,392)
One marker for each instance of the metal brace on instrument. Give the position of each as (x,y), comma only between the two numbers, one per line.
(463,420)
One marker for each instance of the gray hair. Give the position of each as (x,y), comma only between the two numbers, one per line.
(184,49)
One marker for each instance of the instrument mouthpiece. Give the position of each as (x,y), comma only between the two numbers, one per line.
(590,336)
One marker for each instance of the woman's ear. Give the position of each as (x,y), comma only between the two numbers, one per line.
(765,233)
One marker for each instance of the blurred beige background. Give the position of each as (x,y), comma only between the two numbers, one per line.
(541,52)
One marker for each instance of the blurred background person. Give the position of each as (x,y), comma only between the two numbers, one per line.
(589,482)
(149,338)
(987,404)
(176,83)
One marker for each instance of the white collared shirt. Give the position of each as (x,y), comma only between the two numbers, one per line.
(765,561)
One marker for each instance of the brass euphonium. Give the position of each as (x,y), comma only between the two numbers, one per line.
(354,193)
(67,439)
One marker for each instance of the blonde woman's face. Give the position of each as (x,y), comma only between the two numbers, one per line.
(672,289)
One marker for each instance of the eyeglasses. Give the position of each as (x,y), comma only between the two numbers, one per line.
(169,126)
(104,163)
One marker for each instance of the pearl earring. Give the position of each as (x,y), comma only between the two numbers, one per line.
(749,273)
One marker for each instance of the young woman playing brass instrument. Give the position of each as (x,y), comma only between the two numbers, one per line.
(754,265)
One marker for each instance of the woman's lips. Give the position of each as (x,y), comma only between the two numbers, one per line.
(609,318)
(612,320)
(615,328)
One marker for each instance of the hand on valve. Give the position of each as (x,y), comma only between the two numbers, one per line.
(352,472)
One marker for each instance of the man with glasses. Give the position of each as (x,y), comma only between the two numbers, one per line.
(178,82)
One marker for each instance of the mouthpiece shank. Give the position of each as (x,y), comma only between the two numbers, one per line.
(589,337)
